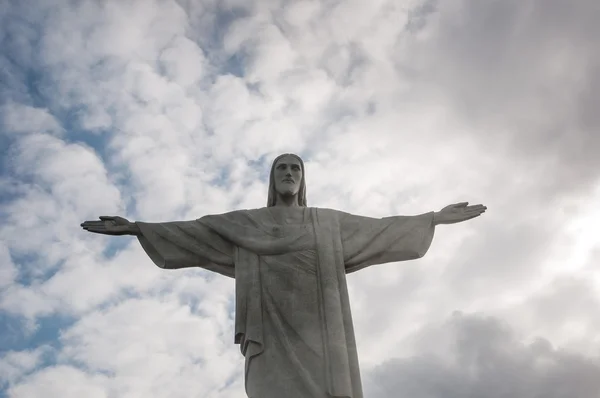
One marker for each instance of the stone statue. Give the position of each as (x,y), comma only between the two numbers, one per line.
(289,261)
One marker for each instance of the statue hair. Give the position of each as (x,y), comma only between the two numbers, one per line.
(273,193)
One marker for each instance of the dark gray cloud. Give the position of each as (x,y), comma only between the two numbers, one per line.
(482,357)
(569,306)
(517,258)
(524,73)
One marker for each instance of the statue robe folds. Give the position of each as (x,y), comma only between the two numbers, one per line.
(293,320)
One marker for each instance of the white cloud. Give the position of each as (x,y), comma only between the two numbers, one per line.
(62,381)
(8,271)
(16,363)
(20,118)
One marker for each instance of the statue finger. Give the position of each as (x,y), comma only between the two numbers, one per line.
(473,213)
(475,210)
(460,204)
(96,230)
(477,207)
(99,227)
(92,223)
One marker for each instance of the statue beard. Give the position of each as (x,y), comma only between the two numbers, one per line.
(288,193)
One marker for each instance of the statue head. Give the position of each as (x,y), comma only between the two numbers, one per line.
(287,180)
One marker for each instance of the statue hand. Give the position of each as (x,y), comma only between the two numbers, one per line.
(111,225)
(458,212)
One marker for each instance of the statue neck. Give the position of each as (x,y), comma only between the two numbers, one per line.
(287,201)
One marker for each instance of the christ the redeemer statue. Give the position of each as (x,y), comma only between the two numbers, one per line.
(289,261)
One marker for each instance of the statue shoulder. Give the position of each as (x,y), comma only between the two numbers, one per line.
(326,214)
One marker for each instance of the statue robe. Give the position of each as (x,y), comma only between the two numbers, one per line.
(293,320)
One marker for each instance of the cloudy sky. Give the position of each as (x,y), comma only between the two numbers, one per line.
(161,110)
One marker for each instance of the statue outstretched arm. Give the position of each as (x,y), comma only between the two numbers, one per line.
(173,245)
(368,241)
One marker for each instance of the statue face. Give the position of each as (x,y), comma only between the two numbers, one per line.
(288,175)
